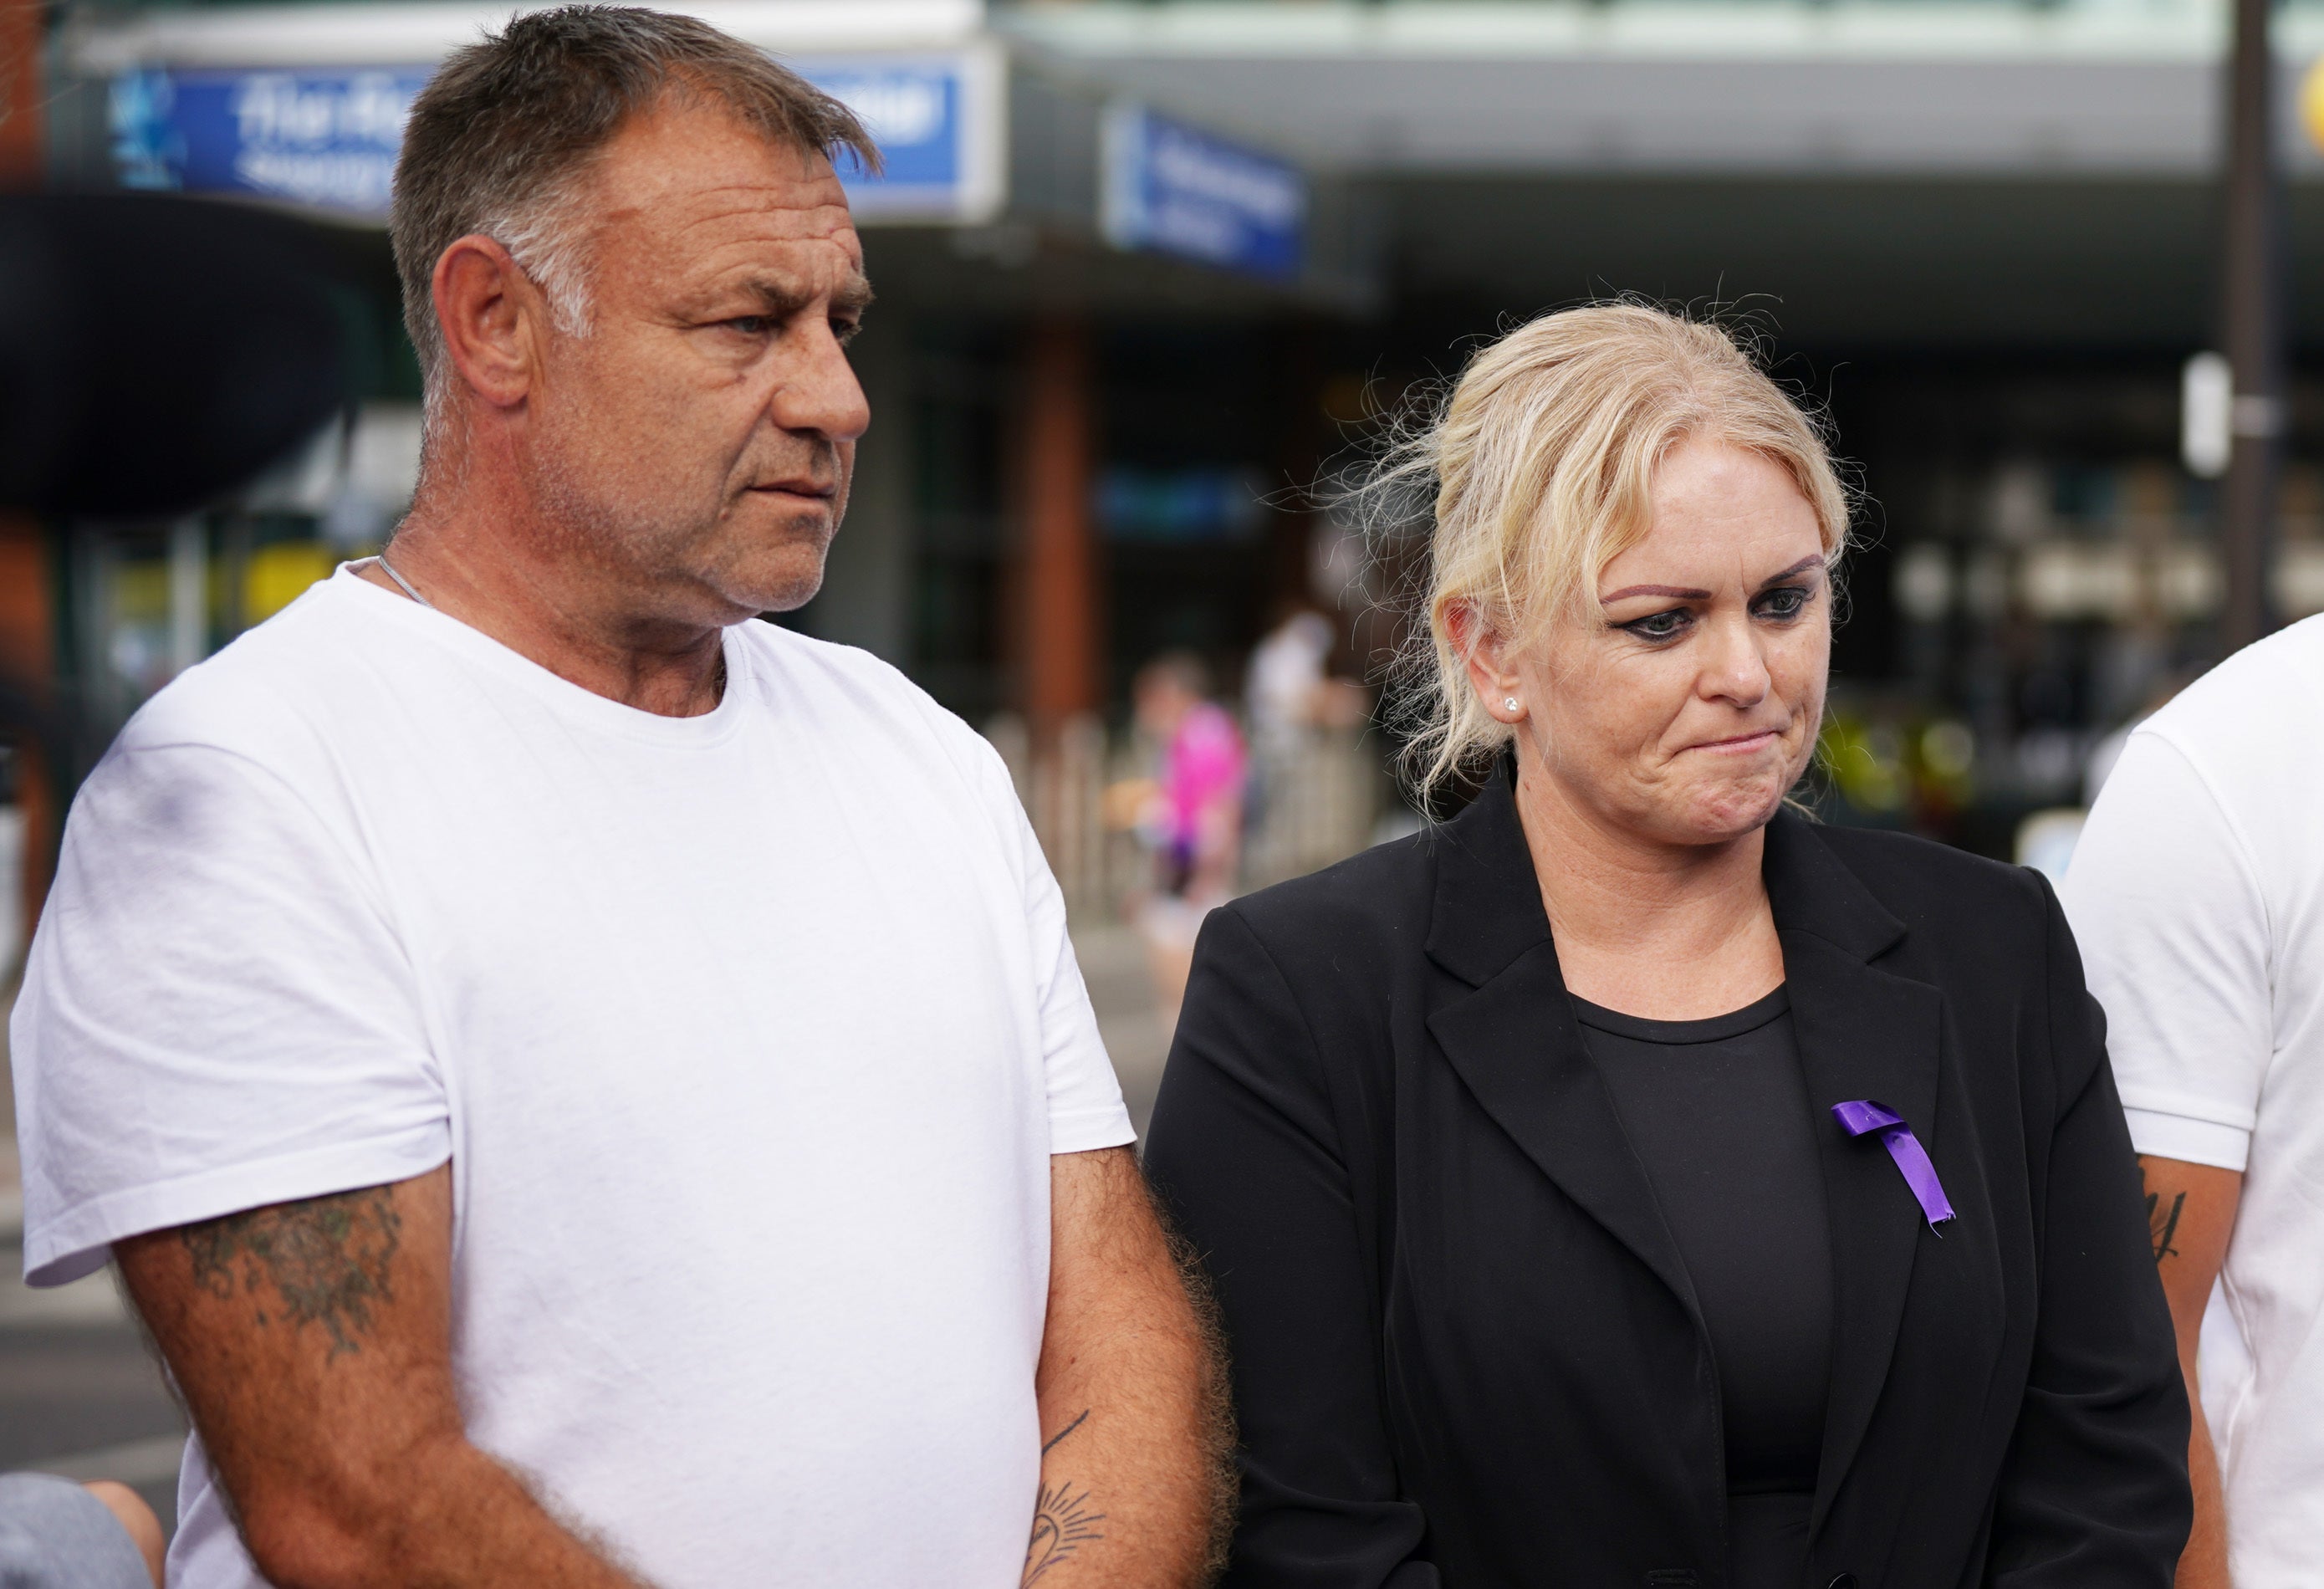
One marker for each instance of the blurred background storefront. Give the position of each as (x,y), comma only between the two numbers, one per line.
(1149,268)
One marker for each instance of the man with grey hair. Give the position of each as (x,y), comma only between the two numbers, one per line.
(585,1088)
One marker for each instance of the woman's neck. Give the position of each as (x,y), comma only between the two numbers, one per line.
(1665,931)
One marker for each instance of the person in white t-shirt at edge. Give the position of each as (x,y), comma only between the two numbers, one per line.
(2197,894)
(586,1089)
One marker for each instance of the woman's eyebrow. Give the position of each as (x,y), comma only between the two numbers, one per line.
(1802,566)
(1673,591)
(1681,593)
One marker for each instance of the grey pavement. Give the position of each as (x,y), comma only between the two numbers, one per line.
(82,1396)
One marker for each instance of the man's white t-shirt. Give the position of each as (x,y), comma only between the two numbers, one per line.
(748,1035)
(2197,895)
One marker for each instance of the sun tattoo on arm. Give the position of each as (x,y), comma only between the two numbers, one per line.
(1062,1520)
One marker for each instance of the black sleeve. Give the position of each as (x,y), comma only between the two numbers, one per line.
(2094,1490)
(1245,1152)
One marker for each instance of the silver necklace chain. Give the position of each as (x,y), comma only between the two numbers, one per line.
(718,681)
(381,558)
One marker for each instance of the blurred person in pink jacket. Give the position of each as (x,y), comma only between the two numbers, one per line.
(1193,818)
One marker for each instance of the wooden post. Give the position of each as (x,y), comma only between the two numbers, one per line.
(1060,626)
(21,92)
(27,622)
(2254,281)
(28,676)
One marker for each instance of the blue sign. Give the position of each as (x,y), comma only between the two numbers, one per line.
(918,112)
(328,139)
(1177,189)
(324,138)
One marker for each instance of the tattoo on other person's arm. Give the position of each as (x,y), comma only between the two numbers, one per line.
(1062,1520)
(2161,1224)
(1051,1444)
(319,1260)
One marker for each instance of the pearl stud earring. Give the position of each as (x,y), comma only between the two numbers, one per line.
(1511,703)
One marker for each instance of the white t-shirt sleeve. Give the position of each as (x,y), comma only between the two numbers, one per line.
(1085,1106)
(217,1014)
(2169,913)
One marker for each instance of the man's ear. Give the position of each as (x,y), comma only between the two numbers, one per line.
(491,317)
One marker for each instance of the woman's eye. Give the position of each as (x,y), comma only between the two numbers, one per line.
(1658,626)
(1788,602)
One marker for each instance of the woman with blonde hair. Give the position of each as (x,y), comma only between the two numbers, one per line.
(1630,1182)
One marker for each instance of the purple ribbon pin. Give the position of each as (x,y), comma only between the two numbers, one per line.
(1865,1116)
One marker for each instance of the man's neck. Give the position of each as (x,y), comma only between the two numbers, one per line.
(503,581)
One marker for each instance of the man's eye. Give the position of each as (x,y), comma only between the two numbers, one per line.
(1660,625)
(846,330)
(751,324)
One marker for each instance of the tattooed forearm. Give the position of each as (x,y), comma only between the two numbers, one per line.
(1061,1523)
(1062,1520)
(1052,1443)
(2161,1223)
(321,1260)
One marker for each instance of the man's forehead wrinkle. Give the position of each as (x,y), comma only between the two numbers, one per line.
(749,208)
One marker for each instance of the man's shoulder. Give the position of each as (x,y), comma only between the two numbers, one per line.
(792,652)
(878,698)
(285,680)
(2256,715)
(805,662)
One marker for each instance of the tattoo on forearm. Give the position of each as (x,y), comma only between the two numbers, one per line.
(321,1260)
(1062,1520)
(2161,1224)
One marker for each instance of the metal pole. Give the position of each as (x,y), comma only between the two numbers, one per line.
(2255,323)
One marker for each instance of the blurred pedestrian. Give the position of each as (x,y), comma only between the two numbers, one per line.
(585,1088)
(55,1533)
(2198,892)
(1290,689)
(1285,686)
(1632,1182)
(1193,815)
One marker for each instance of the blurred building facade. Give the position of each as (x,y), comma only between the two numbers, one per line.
(1148,267)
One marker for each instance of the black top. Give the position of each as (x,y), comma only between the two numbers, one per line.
(1458,1329)
(1717,1112)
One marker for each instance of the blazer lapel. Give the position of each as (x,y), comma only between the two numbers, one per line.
(1514,1041)
(1863,1033)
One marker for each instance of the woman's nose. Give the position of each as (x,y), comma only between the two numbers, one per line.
(1736,666)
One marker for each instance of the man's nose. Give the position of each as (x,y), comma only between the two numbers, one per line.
(819,393)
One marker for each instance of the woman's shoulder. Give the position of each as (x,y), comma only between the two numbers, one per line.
(1375,904)
(1925,883)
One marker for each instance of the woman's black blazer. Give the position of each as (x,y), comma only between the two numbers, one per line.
(1465,1352)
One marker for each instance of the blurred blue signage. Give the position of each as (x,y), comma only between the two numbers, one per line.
(327,138)
(936,119)
(1179,507)
(1177,189)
